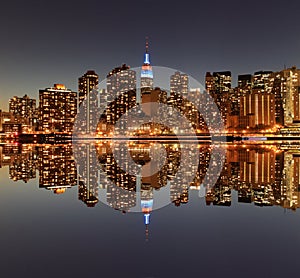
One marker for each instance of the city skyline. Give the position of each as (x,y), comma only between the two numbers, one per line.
(135,133)
(265,101)
(4,106)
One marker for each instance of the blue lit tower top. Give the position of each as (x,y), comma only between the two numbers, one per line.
(147,55)
(147,205)
(147,73)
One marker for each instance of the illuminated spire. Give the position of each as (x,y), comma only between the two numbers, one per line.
(147,73)
(147,232)
(147,44)
(147,205)
(147,222)
(147,54)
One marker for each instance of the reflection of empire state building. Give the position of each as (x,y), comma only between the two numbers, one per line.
(146,199)
(146,73)
(147,205)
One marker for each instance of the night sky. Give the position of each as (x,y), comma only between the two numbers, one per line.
(47,42)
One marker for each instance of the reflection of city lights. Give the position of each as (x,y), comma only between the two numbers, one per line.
(258,178)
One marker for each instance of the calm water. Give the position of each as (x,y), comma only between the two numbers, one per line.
(54,224)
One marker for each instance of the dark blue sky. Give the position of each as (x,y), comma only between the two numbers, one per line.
(46,42)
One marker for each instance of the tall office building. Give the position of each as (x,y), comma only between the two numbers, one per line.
(276,91)
(290,84)
(222,81)
(146,73)
(154,96)
(219,86)
(25,112)
(57,109)
(245,81)
(121,93)
(120,80)
(209,82)
(86,84)
(87,101)
(263,81)
(244,87)
(264,90)
(234,99)
(22,106)
(257,110)
(179,83)
(179,90)
(5,118)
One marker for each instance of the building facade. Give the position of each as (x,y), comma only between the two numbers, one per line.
(24,111)
(146,72)
(57,109)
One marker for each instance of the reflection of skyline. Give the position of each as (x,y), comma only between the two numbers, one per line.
(264,175)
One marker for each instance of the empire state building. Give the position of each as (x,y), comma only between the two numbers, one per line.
(146,72)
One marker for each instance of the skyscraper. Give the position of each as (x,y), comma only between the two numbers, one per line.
(222,81)
(146,73)
(290,84)
(219,87)
(263,81)
(179,93)
(23,107)
(24,111)
(121,92)
(209,82)
(57,109)
(5,118)
(245,81)
(179,83)
(257,110)
(86,84)
(120,80)
(276,91)
(234,100)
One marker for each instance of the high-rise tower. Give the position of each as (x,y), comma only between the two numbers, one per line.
(147,205)
(121,93)
(86,84)
(179,83)
(57,109)
(25,112)
(87,99)
(146,73)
